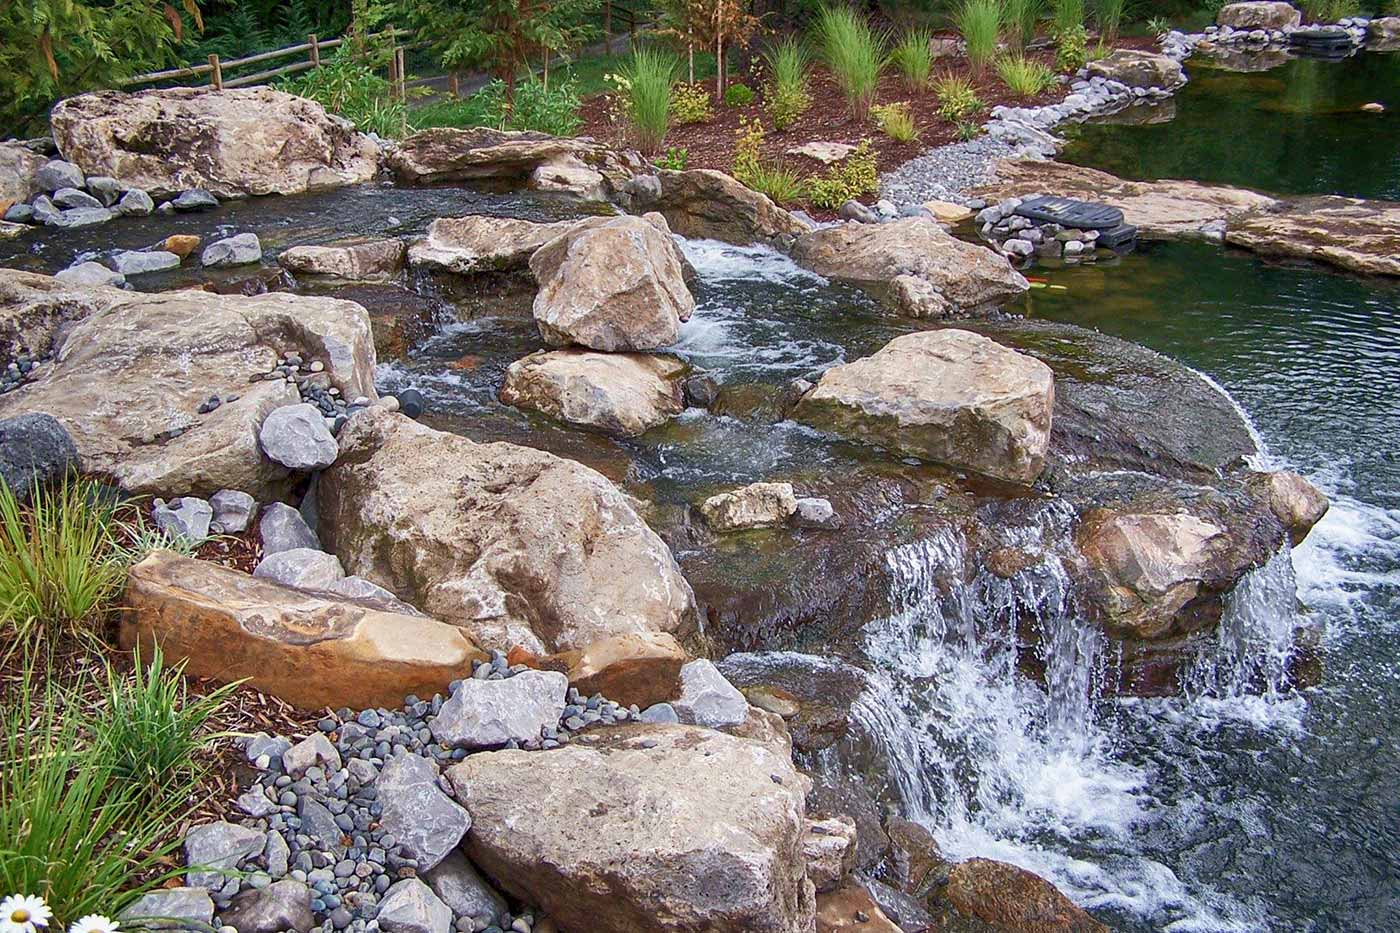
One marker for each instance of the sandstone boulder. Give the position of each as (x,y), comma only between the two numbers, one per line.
(949,396)
(1383,33)
(625,394)
(1294,501)
(970,278)
(707,204)
(830,849)
(640,669)
(232,143)
(1139,69)
(361,261)
(131,372)
(311,650)
(535,160)
(1011,898)
(757,505)
(851,908)
(1359,236)
(479,243)
(517,545)
(612,285)
(1268,14)
(19,172)
(644,828)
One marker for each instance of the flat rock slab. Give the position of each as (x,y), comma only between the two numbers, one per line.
(625,394)
(477,243)
(310,650)
(249,141)
(644,827)
(1355,235)
(131,371)
(704,203)
(356,260)
(949,396)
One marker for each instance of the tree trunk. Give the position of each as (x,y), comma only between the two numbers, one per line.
(690,54)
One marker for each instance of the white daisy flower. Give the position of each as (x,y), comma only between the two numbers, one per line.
(21,913)
(93,923)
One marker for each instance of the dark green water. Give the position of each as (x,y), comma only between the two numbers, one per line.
(1297,129)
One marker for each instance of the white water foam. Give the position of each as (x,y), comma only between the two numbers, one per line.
(716,261)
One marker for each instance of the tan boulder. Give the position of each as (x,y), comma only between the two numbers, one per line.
(131,371)
(851,909)
(829,846)
(1260,14)
(618,393)
(366,259)
(1011,898)
(644,828)
(478,243)
(707,204)
(535,160)
(232,143)
(310,649)
(1297,503)
(971,278)
(826,153)
(1359,236)
(1383,33)
(641,668)
(181,244)
(1138,69)
(950,396)
(19,170)
(757,505)
(947,212)
(613,285)
(517,545)
(1161,210)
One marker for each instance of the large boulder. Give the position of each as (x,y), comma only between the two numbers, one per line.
(132,372)
(1358,236)
(1268,14)
(1138,69)
(950,396)
(1295,502)
(644,828)
(517,545)
(1005,897)
(1383,33)
(615,284)
(707,204)
(19,173)
(618,393)
(310,649)
(359,260)
(231,143)
(480,243)
(535,160)
(969,279)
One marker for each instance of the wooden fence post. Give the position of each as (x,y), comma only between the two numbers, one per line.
(456,85)
(216,74)
(315,50)
(398,67)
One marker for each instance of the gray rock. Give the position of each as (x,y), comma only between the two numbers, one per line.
(458,885)
(45,211)
(276,855)
(19,214)
(83,217)
(319,823)
(707,699)
(296,436)
(659,713)
(282,528)
(137,261)
(72,197)
(815,513)
(854,210)
(233,511)
(427,823)
(237,250)
(283,905)
(314,750)
(490,713)
(363,591)
(57,173)
(186,518)
(136,203)
(411,907)
(196,199)
(273,746)
(217,847)
(255,803)
(304,568)
(91,275)
(175,906)
(106,189)
(35,448)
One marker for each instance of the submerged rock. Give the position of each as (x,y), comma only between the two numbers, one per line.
(757,505)
(619,393)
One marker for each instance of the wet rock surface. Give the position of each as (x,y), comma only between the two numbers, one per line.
(618,393)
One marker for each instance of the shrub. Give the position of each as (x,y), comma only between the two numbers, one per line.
(1160,25)
(1329,11)
(856,175)
(351,87)
(786,96)
(778,181)
(913,57)
(647,79)
(675,159)
(1021,17)
(1068,16)
(895,121)
(554,110)
(854,53)
(957,98)
(690,103)
(979,21)
(1073,51)
(1024,77)
(738,95)
(60,563)
(1109,14)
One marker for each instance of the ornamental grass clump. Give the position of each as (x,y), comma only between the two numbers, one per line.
(1109,14)
(895,121)
(646,87)
(957,98)
(979,22)
(1025,78)
(786,97)
(855,54)
(913,58)
(1066,16)
(1020,20)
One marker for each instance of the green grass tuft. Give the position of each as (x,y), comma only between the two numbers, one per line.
(913,57)
(786,97)
(896,122)
(979,21)
(855,54)
(649,76)
(1021,18)
(1024,77)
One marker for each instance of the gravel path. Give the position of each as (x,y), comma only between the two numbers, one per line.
(945,173)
